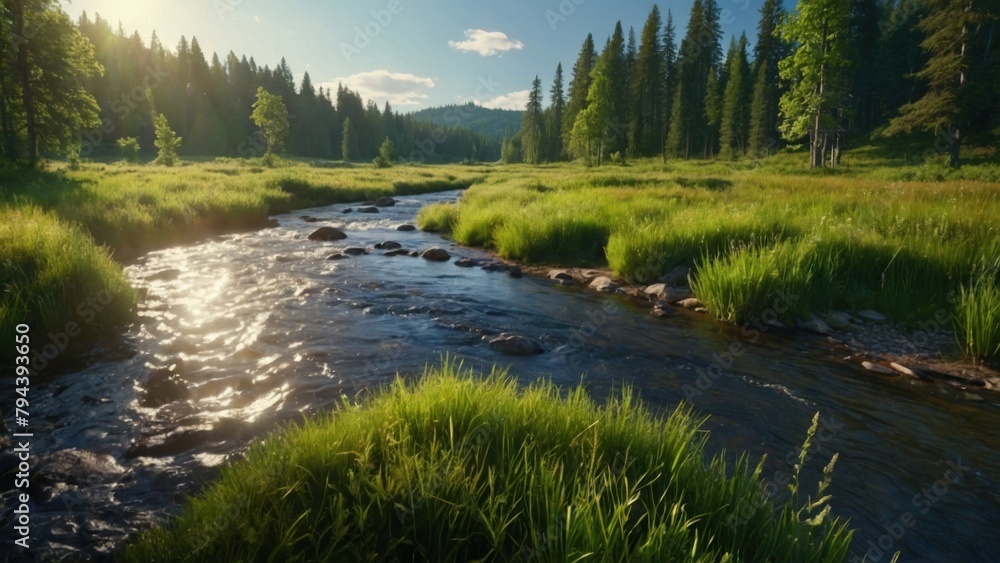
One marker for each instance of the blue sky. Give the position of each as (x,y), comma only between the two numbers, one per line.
(413,53)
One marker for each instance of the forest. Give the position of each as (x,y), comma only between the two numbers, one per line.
(829,73)
(100,85)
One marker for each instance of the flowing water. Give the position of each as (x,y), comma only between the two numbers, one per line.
(256,329)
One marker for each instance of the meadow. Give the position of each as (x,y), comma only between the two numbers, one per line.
(65,232)
(912,242)
(458,466)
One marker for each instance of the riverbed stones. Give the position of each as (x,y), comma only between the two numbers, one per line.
(398,252)
(657,291)
(677,276)
(515,345)
(812,323)
(872,316)
(327,234)
(561,276)
(904,370)
(465,262)
(385,202)
(690,303)
(368,209)
(388,245)
(839,319)
(348,210)
(662,310)
(877,368)
(355,251)
(337,256)
(603,284)
(515,272)
(436,254)
(406,228)
(165,386)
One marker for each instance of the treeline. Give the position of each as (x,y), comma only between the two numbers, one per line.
(83,86)
(829,70)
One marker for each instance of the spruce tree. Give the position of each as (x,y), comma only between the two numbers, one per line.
(532,127)
(763,128)
(647,87)
(555,116)
(578,86)
(733,123)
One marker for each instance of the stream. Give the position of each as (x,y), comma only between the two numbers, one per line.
(243,332)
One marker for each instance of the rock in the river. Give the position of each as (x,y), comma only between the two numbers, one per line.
(327,234)
(561,276)
(515,345)
(388,245)
(78,467)
(354,251)
(873,316)
(436,254)
(164,275)
(165,385)
(657,291)
(348,210)
(336,256)
(661,311)
(465,262)
(678,294)
(691,303)
(398,252)
(677,276)
(815,324)
(414,253)
(369,209)
(877,368)
(406,228)
(515,272)
(839,319)
(309,219)
(904,370)
(603,284)
(385,202)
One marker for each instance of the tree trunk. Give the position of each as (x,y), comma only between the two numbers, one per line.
(24,72)
(954,147)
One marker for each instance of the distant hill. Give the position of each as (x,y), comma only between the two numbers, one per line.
(488,122)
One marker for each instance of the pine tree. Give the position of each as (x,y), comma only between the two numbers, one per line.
(618,75)
(670,75)
(733,124)
(532,127)
(349,144)
(555,116)
(954,76)
(579,86)
(647,88)
(763,128)
(817,71)
(591,131)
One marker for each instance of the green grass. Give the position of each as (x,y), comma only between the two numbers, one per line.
(457,467)
(872,234)
(977,319)
(60,226)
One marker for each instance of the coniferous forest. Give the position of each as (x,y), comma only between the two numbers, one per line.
(102,84)
(829,73)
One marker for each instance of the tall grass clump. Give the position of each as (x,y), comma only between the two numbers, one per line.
(49,272)
(437,217)
(457,467)
(977,319)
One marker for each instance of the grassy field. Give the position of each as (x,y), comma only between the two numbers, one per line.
(61,228)
(913,242)
(458,467)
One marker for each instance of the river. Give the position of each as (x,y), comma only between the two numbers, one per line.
(260,328)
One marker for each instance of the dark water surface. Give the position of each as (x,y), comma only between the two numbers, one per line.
(262,329)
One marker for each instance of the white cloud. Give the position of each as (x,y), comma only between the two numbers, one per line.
(486,43)
(514,100)
(399,89)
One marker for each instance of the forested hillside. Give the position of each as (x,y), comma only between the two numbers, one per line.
(492,123)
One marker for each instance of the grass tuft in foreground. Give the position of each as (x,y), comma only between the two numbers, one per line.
(977,319)
(456,467)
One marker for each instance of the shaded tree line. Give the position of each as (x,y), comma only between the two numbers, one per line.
(84,86)
(817,75)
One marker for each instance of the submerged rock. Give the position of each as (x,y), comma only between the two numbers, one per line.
(354,251)
(336,256)
(165,386)
(398,252)
(388,245)
(465,263)
(164,275)
(369,209)
(406,228)
(515,345)
(327,234)
(515,272)
(78,467)
(815,324)
(348,210)
(385,202)
(839,319)
(603,284)
(436,254)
